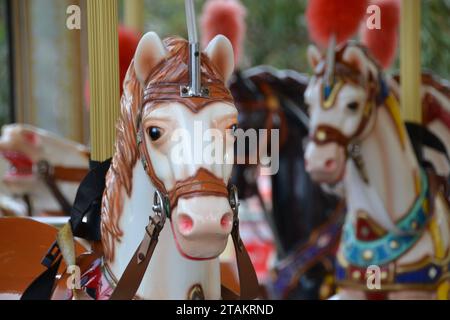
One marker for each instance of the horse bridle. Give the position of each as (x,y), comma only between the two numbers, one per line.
(351,143)
(203,183)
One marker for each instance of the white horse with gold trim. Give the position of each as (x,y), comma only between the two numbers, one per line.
(398,218)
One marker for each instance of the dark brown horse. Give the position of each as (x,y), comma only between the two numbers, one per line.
(302,213)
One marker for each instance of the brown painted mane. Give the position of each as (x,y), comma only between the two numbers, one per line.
(172,70)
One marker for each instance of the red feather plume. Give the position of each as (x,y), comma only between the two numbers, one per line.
(226,17)
(382,43)
(339,17)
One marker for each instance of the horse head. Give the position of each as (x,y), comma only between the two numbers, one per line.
(156,116)
(342,111)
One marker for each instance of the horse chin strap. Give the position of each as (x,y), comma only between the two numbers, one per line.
(131,278)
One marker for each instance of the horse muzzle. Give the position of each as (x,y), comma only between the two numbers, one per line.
(201,215)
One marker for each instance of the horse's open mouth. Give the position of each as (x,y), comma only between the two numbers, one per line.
(21,166)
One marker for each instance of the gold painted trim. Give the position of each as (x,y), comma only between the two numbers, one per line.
(424,262)
(394,287)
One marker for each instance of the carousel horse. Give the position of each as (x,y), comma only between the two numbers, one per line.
(163,94)
(44,171)
(301,212)
(397,225)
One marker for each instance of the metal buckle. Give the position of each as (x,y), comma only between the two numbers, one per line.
(161,206)
(234,200)
(354,150)
(44,169)
(154,227)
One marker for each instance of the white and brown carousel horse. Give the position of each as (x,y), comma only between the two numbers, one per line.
(398,218)
(44,171)
(195,196)
(170,85)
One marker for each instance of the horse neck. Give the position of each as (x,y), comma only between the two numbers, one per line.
(392,170)
(169,275)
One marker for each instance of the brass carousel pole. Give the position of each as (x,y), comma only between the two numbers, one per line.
(410,63)
(103,76)
(134,14)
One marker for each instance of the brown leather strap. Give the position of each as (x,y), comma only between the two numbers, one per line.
(51,174)
(248,281)
(132,277)
(67,174)
(59,196)
(325,134)
(203,183)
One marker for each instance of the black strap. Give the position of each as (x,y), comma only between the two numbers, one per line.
(42,287)
(87,207)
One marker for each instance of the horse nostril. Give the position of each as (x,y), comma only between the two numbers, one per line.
(185,223)
(330,165)
(226,221)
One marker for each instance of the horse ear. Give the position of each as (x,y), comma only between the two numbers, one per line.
(356,58)
(150,51)
(314,56)
(220,52)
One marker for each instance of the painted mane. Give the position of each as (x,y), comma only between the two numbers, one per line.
(173,69)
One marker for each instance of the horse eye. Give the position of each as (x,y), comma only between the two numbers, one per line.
(353,106)
(155,133)
(233,128)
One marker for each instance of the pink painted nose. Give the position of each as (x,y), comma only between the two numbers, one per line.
(190,225)
(326,166)
(325,163)
(202,225)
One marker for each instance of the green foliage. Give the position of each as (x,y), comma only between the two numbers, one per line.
(435,36)
(277,32)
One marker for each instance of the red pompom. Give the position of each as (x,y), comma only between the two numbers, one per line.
(339,17)
(226,17)
(128,42)
(383,42)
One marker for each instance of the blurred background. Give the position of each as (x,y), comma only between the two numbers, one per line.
(43,65)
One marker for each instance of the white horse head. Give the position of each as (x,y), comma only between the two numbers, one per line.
(154,117)
(348,110)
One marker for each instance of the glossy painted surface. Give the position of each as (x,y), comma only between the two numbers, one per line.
(23,244)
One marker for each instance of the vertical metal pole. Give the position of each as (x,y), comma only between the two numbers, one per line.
(103,76)
(410,61)
(134,14)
